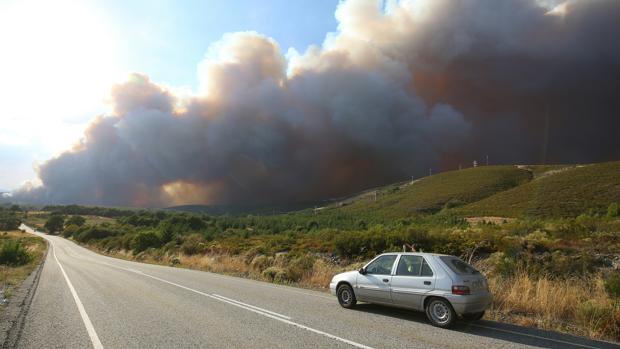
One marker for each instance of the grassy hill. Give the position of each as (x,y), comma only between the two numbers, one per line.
(244,209)
(431,194)
(560,192)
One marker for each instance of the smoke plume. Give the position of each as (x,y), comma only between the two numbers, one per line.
(403,86)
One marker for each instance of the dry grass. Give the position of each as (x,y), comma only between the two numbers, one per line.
(11,277)
(577,306)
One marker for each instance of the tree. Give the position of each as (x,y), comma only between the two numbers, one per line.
(166,235)
(75,220)
(55,224)
(144,240)
(9,222)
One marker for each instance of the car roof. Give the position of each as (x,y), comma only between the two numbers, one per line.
(419,254)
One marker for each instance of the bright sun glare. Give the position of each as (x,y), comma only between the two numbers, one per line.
(57,62)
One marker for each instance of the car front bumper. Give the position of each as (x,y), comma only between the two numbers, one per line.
(332,288)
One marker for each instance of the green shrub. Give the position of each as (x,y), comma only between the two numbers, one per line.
(193,244)
(274,274)
(70,230)
(595,316)
(502,264)
(281,277)
(613,210)
(54,224)
(299,266)
(144,240)
(612,285)
(9,222)
(94,232)
(13,253)
(261,262)
(166,235)
(76,220)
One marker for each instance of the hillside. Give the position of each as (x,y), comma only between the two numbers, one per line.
(431,194)
(243,209)
(559,193)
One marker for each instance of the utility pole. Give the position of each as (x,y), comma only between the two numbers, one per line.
(430,171)
(487,160)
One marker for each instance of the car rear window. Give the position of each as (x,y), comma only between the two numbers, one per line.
(458,266)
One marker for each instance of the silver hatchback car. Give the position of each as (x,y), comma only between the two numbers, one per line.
(443,286)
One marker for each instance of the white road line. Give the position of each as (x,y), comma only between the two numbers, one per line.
(89,325)
(537,337)
(253,307)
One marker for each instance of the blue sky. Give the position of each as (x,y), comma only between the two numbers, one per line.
(60,59)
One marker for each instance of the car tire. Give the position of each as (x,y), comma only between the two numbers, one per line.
(346,297)
(440,313)
(473,316)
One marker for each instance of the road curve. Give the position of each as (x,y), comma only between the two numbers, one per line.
(86,300)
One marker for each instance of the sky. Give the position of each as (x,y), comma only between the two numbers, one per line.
(60,58)
(160,103)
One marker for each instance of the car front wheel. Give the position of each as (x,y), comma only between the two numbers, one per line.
(440,313)
(346,297)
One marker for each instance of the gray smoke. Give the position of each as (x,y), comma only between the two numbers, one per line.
(403,86)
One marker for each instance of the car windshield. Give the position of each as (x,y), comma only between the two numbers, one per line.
(458,266)
(382,265)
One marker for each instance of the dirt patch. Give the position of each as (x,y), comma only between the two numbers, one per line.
(489,220)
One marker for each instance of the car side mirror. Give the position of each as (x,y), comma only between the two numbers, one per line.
(362,271)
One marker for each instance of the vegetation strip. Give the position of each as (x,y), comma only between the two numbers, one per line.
(15,315)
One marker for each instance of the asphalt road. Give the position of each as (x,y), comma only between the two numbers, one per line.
(86,300)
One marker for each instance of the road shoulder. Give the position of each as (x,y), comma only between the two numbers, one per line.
(13,316)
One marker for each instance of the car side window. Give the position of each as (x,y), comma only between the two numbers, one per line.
(409,265)
(382,265)
(426,269)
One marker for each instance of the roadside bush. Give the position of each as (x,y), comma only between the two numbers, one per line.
(55,224)
(144,240)
(594,315)
(193,244)
(261,262)
(612,285)
(501,264)
(70,230)
(272,272)
(298,267)
(9,222)
(75,220)
(14,254)
(166,235)
(94,232)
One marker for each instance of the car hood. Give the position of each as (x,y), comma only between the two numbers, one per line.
(349,276)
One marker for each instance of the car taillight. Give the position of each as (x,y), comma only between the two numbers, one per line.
(461,290)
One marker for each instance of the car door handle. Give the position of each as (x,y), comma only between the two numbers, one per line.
(427,282)
(386,280)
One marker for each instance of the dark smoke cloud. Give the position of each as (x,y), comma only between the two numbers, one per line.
(403,86)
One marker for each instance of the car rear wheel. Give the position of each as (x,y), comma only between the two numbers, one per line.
(473,316)
(440,313)
(346,297)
